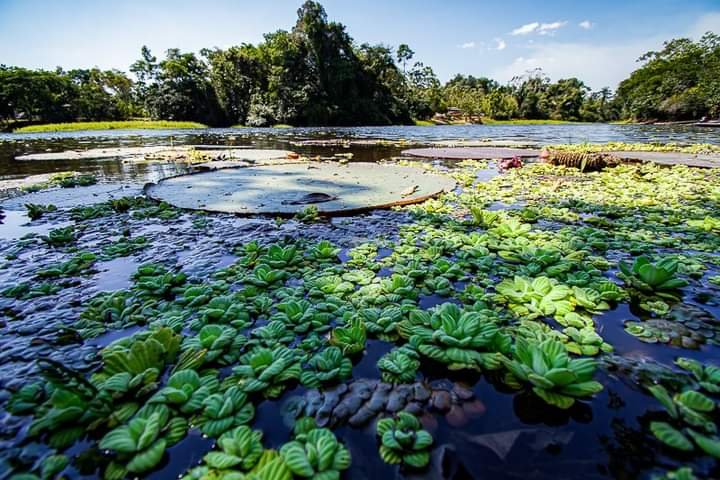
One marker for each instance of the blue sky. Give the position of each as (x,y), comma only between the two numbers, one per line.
(596,41)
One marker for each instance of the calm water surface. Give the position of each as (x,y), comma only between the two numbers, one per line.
(12,144)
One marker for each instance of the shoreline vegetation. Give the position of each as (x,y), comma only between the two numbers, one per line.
(109,125)
(280,81)
(174,125)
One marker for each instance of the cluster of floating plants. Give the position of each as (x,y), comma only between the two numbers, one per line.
(516,294)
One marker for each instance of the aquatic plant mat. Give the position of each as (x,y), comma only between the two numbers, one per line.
(286,189)
(541,323)
(473,153)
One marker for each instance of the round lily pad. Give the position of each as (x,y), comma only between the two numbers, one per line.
(474,153)
(180,152)
(286,189)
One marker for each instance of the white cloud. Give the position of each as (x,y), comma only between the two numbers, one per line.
(500,44)
(540,28)
(526,29)
(586,24)
(550,28)
(603,65)
(467,45)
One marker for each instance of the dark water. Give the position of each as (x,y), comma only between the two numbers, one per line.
(12,145)
(502,434)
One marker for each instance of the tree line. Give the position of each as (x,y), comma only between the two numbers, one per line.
(316,74)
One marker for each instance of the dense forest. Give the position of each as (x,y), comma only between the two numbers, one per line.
(315,74)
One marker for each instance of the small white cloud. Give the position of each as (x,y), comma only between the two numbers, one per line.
(467,45)
(526,29)
(586,24)
(550,28)
(500,44)
(540,28)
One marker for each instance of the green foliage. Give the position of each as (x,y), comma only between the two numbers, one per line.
(652,277)
(555,377)
(382,322)
(677,82)
(222,343)
(26,291)
(155,281)
(301,316)
(267,371)
(186,391)
(707,376)
(326,367)
(403,441)
(35,211)
(399,365)
(59,237)
(351,338)
(461,339)
(223,411)
(140,445)
(80,263)
(315,453)
(109,125)
(309,214)
(124,247)
(240,450)
(693,424)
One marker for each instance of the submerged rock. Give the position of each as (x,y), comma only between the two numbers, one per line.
(361,401)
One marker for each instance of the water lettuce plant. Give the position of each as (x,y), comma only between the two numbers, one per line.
(326,367)
(140,445)
(186,391)
(82,262)
(691,413)
(707,376)
(350,338)
(315,452)
(267,370)
(59,237)
(399,365)
(222,343)
(554,376)
(223,411)
(36,211)
(654,278)
(403,441)
(460,339)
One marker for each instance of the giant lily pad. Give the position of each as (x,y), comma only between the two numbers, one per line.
(286,189)
(474,153)
(708,160)
(194,153)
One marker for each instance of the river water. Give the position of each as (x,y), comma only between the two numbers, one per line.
(519,437)
(13,144)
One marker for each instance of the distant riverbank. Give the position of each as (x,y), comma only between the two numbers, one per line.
(116,125)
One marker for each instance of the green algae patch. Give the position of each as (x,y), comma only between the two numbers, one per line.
(119,125)
(287,189)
